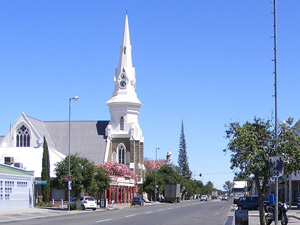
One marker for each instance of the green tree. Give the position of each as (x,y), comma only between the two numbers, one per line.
(82,171)
(192,186)
(228,186)
(101,180)
(252,144)
(45,174)
(183,165)
(165,175)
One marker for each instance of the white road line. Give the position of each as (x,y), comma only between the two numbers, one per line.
(100,221)
(148,212)
(171,208)
(11,217)
(130,215)
(161,210)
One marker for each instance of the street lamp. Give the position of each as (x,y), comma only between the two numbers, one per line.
(75,98)
(155,188)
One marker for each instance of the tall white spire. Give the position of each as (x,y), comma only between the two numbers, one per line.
(124,78)
(125,60)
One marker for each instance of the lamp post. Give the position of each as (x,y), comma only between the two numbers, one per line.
(155,188)
(75,98)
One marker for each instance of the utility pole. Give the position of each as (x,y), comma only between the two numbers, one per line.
(275,98)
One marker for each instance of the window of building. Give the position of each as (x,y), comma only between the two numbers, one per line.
(23,137)
(122,122)
(121,153)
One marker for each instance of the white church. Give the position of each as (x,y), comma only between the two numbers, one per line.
(120,139)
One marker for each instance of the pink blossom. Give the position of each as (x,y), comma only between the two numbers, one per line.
(118,169)
(150,165)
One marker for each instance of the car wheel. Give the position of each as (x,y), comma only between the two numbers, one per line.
(82,207)
(94,209)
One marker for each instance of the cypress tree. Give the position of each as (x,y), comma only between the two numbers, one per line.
(45,175)
(183,164)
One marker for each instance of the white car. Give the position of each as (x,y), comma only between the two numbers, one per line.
(87,202)
(224,198)
(204,198)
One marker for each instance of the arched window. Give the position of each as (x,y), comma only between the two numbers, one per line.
(122,122)
(121,153)
(23,137)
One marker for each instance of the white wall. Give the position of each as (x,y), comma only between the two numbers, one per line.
(16,192)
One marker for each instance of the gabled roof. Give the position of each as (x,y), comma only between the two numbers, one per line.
(87,138)
(41,129)
(297,125)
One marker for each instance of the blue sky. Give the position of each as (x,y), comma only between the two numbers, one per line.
(205,62)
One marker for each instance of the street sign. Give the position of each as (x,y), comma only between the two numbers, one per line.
(68,178)
(70,185)
(40,182)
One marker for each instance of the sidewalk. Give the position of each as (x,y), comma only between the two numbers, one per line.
(293,214)
(253,216)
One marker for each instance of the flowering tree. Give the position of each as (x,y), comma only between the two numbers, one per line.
(150,165)
(118,169)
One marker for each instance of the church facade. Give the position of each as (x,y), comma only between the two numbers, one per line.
(120,139)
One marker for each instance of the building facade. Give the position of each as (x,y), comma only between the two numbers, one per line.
(16,188)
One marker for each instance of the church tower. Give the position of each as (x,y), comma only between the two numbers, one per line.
(125,142)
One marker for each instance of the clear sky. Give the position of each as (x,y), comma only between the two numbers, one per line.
(206,62)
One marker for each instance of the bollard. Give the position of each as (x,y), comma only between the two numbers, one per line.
(52,202)
(62,203)
(241,217)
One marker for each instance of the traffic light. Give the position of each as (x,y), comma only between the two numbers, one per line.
(200,174)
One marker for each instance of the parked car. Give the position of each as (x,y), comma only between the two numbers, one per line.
(137,201)
(204,198)
(224,198)
(248,202)
(85,202)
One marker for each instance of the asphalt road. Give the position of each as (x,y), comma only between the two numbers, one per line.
(184,213)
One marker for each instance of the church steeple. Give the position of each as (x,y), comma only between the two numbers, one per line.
(124,78)
(125,141)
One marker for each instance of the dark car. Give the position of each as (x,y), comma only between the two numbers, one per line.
(137,201)
(248,202)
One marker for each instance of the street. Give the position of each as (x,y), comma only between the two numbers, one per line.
(184,213)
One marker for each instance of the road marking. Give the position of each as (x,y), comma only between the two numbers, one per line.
(148,212)
(130,215)
(171,208)
(11,217)
(100,221)
(161,210)
(217,213)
